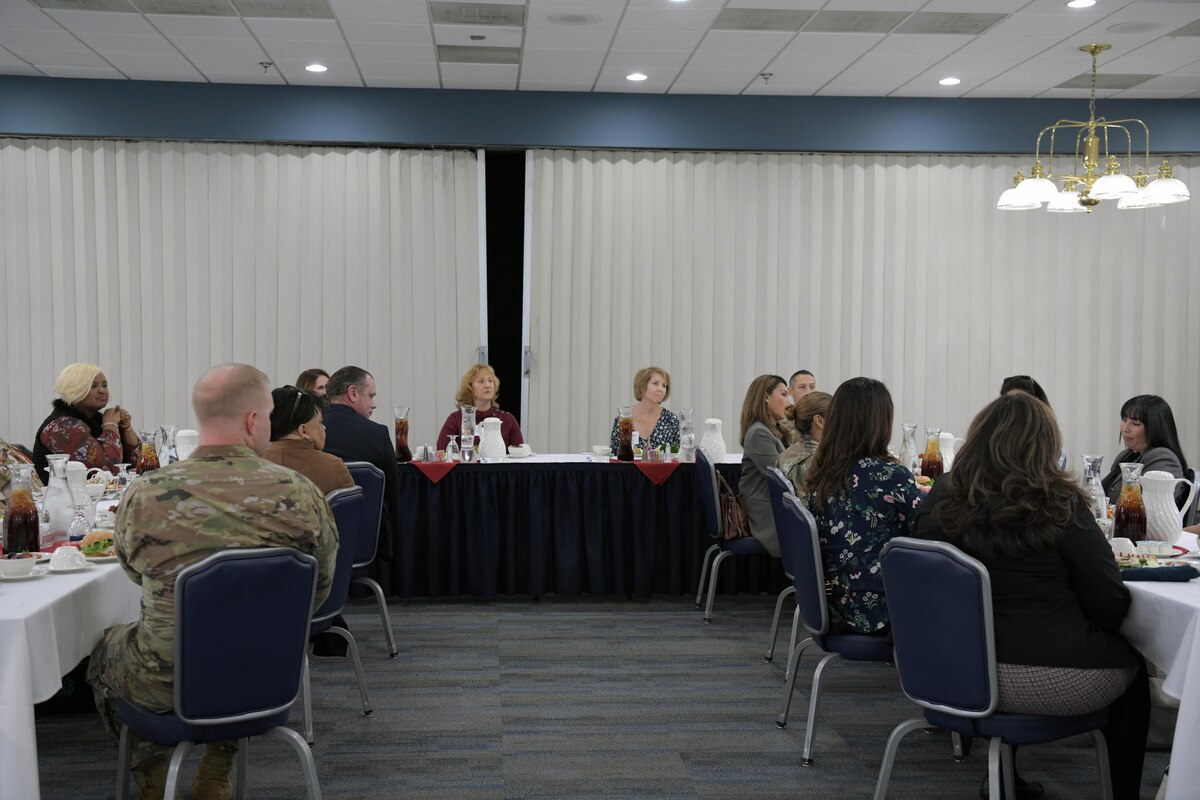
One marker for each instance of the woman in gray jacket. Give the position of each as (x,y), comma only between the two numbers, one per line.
(765,405)
(1150,439)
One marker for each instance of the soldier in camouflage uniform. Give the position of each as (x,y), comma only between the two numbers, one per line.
(224,496)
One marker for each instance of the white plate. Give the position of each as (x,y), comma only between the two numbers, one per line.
(38,571)
(61,571)
(100,559)
(521,454)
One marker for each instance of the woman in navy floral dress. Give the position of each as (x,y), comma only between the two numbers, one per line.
(861,498)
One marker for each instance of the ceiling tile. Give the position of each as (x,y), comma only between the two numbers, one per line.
(102,22)
(49,40)
(493,35)
(218,48)
(406,70)
(391,11)
(55,57)
(715,4)
(783,5)
(393,52)
(555,86)
(769,42)
(837,43)
(385,33)
(989,45)
(874,5)
(573,19)
(322,52)
(581,38)
(102,73)
(657,40)
(1150,62)
(128,43)
(18,69)
(10,58)
(920,44)
(575,73)
(180,25)
(1078,94)
(405,83)
(644,60)
(144,66)
(671,19)
(479,76)
(819,62)
(565,6)
(861,83)
(718,78)
(995,6)
(909,64)
(25,17)
(557,59)
(1180,84)
(227,63)
(304,30)
(248,76)
(721,61)
(1041,25)
(1138,93)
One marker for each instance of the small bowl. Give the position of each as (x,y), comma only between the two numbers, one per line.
(94,490)
(16,567)
(67,557)
(601,451)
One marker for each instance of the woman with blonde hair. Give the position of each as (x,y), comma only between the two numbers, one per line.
(81,427)
(761,438)
(480,387)
(860,498)
(808,420)
(655,425)
(1057,596)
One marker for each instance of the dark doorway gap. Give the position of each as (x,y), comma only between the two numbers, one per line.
(504,172)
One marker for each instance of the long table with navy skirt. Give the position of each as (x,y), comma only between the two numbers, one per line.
(557,524)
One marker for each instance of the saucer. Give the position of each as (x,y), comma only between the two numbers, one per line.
(61,571)
(38,571)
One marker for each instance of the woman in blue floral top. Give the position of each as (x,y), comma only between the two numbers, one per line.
(861,498)
(656,426)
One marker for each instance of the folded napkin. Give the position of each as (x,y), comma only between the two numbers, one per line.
(657,471)
(1180,573)
(434,470)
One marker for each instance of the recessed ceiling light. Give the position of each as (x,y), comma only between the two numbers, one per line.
(949,81)
(316,68)
(635,76)
(1081,3)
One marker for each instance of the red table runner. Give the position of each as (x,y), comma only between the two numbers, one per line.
(434,470)
(656,472)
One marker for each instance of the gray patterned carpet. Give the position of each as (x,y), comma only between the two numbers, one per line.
(583,699)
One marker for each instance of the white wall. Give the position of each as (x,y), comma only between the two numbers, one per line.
(722,266)
(158,260)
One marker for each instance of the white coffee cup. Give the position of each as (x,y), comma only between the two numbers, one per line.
(1121,545)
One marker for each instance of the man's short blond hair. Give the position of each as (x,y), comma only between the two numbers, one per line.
(642,379)
(227,392)
(75,382)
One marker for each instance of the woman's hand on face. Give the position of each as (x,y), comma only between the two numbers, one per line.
(111,416)
(126,421)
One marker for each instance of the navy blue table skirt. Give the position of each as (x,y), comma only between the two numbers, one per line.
(569,529)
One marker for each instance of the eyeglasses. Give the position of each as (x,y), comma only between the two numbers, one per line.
(296,403)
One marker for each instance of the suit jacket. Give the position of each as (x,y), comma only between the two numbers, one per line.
(327,471)
(760,451)
(351,437)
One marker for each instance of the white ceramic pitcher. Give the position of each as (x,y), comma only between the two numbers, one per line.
(491,443)
(947,442)
(1164,520)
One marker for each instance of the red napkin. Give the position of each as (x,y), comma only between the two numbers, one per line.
(657,471)
(434,470)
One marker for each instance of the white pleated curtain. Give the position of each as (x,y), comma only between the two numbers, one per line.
(723,266)
(158,260)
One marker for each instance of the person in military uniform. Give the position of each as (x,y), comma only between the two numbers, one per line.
(225,495)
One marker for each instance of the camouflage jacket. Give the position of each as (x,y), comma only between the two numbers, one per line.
(219,498)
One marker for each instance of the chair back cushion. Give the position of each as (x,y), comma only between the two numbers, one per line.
(241,627)
(706,490)
(800,549)
(347,507)
(777,486)
(369,478)
(940,603)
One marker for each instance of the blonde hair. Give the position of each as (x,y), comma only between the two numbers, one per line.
(75,382)
(465,397)
(642,379)
(813,404)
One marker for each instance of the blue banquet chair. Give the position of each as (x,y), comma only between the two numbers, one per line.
(238,677)
(802,558)
(347,507)
(940,602)
(370,479)
(778,485)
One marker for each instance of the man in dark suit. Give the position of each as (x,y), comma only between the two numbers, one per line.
(351,436)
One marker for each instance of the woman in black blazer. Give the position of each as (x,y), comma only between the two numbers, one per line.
(1057,596)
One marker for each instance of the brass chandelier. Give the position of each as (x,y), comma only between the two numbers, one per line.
(1082,190)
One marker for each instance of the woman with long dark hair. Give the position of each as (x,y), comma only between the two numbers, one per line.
(1150,439)
(861,498)
(298,439)
(761,438)
(1057,596)
(1026,384)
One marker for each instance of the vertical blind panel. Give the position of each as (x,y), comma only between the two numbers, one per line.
(723,266)
(158,260)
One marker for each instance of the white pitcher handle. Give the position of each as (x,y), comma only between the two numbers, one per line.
(96,471)
(1191,498)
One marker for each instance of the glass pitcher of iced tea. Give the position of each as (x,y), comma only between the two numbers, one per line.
(625,433)
(21,518)
(149,458)
(403,454)
(1129,520)
(931,462)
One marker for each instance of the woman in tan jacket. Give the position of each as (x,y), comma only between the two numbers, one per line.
(298,438)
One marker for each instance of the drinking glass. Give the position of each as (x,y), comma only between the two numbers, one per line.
(452,451)
(80,527)
(467,428)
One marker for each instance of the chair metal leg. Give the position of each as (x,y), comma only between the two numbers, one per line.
(961,746)
(176,767)
(708,556)
(306,697)
(790,681)
(358,670)
(712,582)
(792,642)
(1010,774)
(889,753)
(1106,790)
(787,590)
(377,590)
(243,767)
(994,768)
(814,704)
(123,755)
(312,785)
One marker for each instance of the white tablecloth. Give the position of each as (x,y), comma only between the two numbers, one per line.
(1164,625)
(579,458)
(47,626)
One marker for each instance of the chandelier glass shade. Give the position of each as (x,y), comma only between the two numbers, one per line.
(1083,186)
